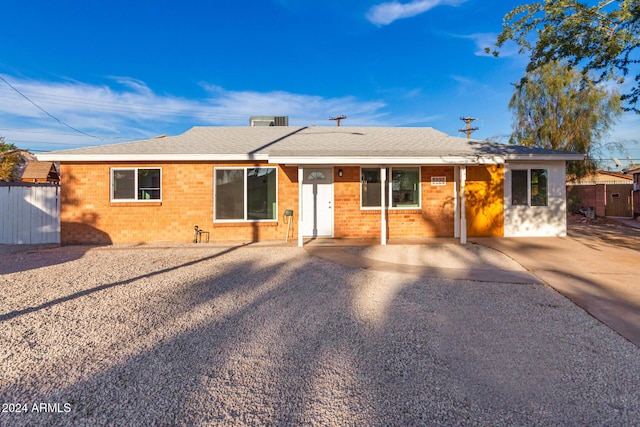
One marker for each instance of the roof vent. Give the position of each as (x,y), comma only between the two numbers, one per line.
(269,121)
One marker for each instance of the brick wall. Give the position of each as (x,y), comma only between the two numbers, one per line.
(434,219)
(601,199)
(88,215)
(581,195)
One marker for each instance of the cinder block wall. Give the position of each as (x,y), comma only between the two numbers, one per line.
(601,200)
(434,219)
(88,216)
(581,195)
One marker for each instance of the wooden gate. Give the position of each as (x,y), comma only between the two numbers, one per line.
(29,213)
(618,200)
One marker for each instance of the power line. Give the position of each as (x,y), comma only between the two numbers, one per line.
(46,112)
(55,133)
(30,141)
(69,101)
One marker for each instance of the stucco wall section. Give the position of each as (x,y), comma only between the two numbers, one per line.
(535,221)
(484,197)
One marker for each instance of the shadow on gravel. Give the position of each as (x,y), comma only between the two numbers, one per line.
(308,342)
(83,293)
(17,258)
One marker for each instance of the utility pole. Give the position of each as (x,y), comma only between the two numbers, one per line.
(469,129)
(338,118)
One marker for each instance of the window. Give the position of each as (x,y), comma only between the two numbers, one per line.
(316,176)
(403,188)
(370,188)
(529,187)
(539,187)
(519,192)
(136,184)
(406,187)
(245,194)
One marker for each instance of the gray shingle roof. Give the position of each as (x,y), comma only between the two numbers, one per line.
(273,143)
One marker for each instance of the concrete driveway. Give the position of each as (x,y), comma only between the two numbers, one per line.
(591,270)
(596,266)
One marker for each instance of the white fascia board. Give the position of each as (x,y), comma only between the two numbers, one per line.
(53,157)
(348,160)
(544,157)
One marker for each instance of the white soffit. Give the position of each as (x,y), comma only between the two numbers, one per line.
(52,157)
(349,160)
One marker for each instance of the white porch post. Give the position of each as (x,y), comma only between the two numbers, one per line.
(463,211)
(456,198)
(300,213)
(383,207)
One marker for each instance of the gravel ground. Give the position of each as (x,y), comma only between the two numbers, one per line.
(273,336)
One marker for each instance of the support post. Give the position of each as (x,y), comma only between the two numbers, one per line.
(300,210)
(463,210)
(383,206)
(456,198)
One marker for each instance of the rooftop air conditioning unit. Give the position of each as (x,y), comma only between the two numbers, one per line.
(269,121)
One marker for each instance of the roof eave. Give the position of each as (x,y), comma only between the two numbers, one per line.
(377,160)
(148,158)
(544,157)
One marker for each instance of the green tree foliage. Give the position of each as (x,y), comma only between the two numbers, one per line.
(554,107)
(601,40)
(4,146)
(8,162)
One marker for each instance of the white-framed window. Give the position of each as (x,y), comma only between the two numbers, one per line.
(529,187)
(402,188)
(245,194)
(136,184)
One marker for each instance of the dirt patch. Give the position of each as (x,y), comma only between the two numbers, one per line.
(606,229)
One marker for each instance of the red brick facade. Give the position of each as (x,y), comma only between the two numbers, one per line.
(89,216)
(434,219)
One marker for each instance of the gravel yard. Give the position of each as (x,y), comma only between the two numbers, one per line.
(273,336)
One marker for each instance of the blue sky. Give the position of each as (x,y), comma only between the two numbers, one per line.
(112,71)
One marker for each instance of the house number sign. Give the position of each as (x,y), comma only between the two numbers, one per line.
(438,181)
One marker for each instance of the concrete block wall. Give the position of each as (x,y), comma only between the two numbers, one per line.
(601,200)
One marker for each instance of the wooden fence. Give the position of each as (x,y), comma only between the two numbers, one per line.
(29,213)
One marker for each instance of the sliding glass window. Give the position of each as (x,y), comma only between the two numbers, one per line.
(246,194)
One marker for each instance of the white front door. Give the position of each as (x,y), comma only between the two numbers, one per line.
(317,202)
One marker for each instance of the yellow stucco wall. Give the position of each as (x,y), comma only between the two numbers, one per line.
(484,195)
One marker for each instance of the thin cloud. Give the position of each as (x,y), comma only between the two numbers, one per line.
(301,109)
(127,109)
(468,86)
(386,13)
